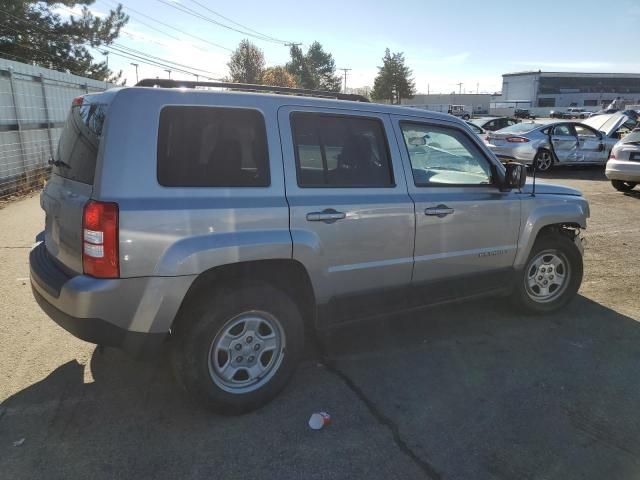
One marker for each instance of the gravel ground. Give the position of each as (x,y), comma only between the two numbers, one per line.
(472,391)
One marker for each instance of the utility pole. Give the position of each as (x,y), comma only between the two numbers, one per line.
(169,72)
(197,77)
(477,88)
(459,87)
(345,70)
(136,65)
(292,44)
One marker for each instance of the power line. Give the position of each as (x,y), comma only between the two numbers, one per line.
(140,52)
(236,23)
(173,28)
(196,14)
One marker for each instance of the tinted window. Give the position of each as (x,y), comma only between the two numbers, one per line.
(444,156)
(339,151)
(212,147)
(78,146)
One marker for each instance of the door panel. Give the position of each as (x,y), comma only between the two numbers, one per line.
(565,143)
(352,240)
(462,230)
(590,146)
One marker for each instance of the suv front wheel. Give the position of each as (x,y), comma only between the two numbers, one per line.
(237,348)
(552,275)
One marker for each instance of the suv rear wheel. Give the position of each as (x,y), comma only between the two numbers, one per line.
(552,274)
(623,186)
(236,349)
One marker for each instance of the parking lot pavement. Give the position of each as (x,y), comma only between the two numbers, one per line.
(470,391)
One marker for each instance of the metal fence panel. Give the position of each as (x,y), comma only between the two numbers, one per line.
(34,103)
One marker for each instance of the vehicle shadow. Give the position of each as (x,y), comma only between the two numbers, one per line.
(633,194)
(475,389)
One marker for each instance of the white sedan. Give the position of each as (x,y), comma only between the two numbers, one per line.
(623,166)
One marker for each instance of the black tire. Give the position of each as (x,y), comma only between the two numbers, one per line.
(466,117)
(622,186)
(204,320)
(565,247)
(543,160)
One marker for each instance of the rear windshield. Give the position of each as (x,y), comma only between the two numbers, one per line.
(77,151)
(519,128)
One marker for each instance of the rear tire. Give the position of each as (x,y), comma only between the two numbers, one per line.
(552,275)
(543,160)
(236,348)
(622,186)
(466,117)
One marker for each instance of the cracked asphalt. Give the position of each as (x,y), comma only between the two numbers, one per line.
(468,391)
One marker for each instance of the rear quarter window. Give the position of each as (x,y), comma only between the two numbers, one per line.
(212,147)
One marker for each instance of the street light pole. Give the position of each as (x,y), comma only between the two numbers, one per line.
(169,72)
(136,65)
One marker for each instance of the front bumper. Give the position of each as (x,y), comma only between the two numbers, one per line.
(623,170)
(134,314)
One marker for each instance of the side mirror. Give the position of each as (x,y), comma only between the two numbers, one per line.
(515,175)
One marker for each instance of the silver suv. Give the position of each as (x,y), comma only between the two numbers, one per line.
(225,224)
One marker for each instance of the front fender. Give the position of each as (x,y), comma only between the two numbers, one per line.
(540,212)
(194,255)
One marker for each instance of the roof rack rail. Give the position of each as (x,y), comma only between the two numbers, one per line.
(248,87)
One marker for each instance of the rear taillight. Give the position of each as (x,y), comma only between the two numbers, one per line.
(100,240)
(76,101)
(517,139)
(612,156)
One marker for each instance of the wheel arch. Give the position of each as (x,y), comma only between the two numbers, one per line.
(567,219)
(287,275)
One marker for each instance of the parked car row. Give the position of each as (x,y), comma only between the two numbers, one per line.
(571,112)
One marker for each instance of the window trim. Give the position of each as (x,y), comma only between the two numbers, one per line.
(492,166)
(215,107)
(292,126)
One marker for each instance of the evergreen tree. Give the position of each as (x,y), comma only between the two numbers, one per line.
(30,31)
(393,82)
(315,69)
(247,63)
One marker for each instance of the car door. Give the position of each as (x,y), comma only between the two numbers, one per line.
(590,146)
(351,217)
(466,228)
(564,142)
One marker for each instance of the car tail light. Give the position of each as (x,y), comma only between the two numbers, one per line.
(517,139)
(612,156)
(76,101)
(100,240)
(487,138)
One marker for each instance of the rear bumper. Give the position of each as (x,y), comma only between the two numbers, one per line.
(134,314)
(522,154)
(626,171)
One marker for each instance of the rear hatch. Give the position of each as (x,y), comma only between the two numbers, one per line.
(72,177)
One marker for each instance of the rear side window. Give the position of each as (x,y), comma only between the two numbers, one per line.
(340,151)
(212,147)
(77,151)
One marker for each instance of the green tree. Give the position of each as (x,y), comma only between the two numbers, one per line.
(315,70)
(247,63)
(278,77)
(393,81)
(31,31)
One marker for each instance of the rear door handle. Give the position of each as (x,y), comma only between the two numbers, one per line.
(328,215)
(440,211)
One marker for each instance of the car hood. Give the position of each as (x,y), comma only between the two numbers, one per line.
(550,189)
(607,123)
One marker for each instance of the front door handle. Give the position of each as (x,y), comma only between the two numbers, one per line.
(440,211)
(328,215)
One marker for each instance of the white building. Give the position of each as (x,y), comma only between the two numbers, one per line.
(559,90)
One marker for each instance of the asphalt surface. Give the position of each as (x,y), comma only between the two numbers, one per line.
(469,391)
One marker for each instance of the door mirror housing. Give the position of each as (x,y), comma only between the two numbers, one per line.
(515,175)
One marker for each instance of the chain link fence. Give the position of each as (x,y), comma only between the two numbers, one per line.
(34,103)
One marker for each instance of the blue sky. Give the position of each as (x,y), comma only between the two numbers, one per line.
(444,42)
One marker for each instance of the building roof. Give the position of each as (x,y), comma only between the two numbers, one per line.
(572,74)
